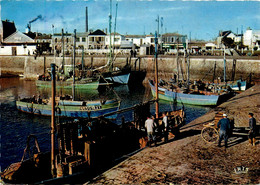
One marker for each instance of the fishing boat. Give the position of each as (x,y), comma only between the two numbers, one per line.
(85,83)
(238,85)
(65,80)
(68,108)
(201,98)
(109,72)
(117,76)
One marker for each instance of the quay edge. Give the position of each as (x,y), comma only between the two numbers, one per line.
(201,67)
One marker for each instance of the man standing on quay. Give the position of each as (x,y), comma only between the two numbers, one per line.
(165,127)
(252,127)
(224,129)
(150,126)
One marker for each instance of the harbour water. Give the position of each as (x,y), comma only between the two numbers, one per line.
(15,126)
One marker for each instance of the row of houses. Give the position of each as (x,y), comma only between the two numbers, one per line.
(14,42)
(99,40)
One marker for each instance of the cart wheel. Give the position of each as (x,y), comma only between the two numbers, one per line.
(209,134)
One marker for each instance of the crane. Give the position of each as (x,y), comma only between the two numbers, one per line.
(35,19)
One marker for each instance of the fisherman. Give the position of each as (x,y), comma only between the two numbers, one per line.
(134,53)
(150,126)
(165,126)
(39,100)
(175,77)
(131,52)
(224,130)
(252,131)
(33,99)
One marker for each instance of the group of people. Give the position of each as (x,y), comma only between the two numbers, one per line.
(151,126)
(225,127)
(36,100)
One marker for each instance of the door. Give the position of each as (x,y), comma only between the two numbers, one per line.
(14,52)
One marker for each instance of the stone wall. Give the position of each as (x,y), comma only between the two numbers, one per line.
(200,68)
(203,68)
(11,65)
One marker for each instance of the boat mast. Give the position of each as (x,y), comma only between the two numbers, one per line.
(82,59)
(156,77)
(53,86)
(110,42)
(62,37)
(188,71)
(74,58)
(224,64)
(54,51)
(115,29)
(177,58)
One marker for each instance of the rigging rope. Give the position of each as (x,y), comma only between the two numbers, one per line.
(118,98)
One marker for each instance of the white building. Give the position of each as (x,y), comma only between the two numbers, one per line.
(18,44)
(56,42)
(171,40)
(210,46)
(96,40)
(137,40)
(82,40)
(116,40)
(251,38)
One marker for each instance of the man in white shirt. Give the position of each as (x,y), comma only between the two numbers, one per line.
(150,126)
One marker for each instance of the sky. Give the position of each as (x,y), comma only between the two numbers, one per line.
(200,20)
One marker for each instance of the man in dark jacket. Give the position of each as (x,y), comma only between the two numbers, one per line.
(224,125)
(252,127)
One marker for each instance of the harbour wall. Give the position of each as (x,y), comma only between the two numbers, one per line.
(200,67)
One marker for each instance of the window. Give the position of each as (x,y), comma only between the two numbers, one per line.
(77,39)
(56,40)
(83,39)
(67,40)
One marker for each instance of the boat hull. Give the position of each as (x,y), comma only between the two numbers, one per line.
(192,99)
(68,84)
(121,79)
(238,85)
(86,109)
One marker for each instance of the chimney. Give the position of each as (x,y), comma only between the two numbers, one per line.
(86,19)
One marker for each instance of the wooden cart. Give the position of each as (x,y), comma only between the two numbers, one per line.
(210,133)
